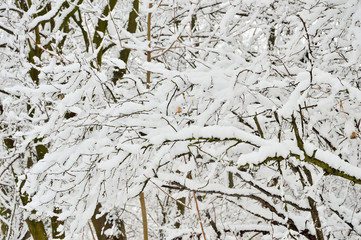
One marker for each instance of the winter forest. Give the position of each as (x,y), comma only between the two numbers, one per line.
(180,119)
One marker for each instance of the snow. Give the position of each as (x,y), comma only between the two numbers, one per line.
(46,16)
(220,132)
(193,128)
(297,96)
(333,161)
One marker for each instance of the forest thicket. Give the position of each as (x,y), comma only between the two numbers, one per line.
(180,119)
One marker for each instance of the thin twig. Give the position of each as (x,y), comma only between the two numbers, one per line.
(342,109)
(215,215)
(91,231)
(144,215)
(168,48)
(149,53)
(199,216)
(9,165)
(167,193)
(235,235)
(115,26)
(307,34)
(91,40)
(7,30)
(45,50)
